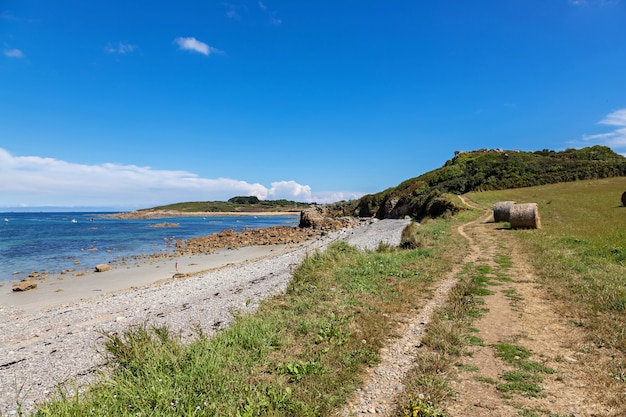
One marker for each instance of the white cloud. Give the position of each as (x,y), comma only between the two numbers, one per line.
(289,188)
(13,53)
(122,48)
(194,45)
(615,139)
(39,181)
(617,118)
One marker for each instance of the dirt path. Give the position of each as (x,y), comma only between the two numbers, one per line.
(531,361)
(547,373)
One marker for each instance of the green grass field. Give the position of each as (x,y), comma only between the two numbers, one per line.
(580,256)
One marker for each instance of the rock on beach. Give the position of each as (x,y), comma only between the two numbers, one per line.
(24,285)
(102,267)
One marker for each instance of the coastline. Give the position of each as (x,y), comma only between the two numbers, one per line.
(158,214)
(64,289)
(60,343)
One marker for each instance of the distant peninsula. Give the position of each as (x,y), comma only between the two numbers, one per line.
(236,206)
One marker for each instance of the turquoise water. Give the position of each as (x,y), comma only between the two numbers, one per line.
(54,242)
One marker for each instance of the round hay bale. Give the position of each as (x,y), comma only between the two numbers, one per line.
(502,211)
(525,216)
(624,199)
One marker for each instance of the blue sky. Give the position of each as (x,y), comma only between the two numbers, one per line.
(130,104)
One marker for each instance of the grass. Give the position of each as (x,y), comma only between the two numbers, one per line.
(448,335)
(301,353)
(525,379)
(580,256)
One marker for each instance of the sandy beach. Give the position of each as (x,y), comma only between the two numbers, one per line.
(56,289)
(50,337)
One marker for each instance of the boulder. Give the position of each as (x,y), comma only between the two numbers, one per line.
(103,267)
(25,285)
(317,218)
(313,218)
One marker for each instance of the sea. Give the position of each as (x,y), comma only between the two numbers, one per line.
(55,242)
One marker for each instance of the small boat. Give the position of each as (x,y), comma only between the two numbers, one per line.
(6,220)
(74,221)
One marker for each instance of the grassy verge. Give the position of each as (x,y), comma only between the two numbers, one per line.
(580,256)
(300,353)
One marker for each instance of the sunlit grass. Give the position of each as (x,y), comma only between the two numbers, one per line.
(580,256)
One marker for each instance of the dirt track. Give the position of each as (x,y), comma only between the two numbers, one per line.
(517,313)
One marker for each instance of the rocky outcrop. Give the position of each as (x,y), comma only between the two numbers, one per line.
(317,218)
(229,239)
(313,223)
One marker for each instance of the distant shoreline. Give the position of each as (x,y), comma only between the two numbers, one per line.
(158,214)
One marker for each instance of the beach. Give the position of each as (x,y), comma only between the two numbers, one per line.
(49,337)
(60,289)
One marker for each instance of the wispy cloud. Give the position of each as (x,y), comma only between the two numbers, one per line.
(122,48)
(593,2)
(40,181)
(233,10)
(617,118)
(194,45)
(13,53)
(616,138)
(271,14)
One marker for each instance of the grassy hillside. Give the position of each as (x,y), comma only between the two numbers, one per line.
(482,170)
(235,204)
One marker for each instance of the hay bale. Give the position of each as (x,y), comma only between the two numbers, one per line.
(502,211)
(624,199)
(525,216)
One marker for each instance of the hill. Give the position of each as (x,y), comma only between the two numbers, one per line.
(239,204)
(429,195)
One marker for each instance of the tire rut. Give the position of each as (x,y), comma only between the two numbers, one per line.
(385,381)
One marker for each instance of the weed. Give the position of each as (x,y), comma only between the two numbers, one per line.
(504,261)
(417,407)
(298,369)
(485,379)
(527,389)
(475,341)
(511,353)
(512,295)
(468,368)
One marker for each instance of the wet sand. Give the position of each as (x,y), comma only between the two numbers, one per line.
(56,289)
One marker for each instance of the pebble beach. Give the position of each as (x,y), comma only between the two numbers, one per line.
(50,337)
